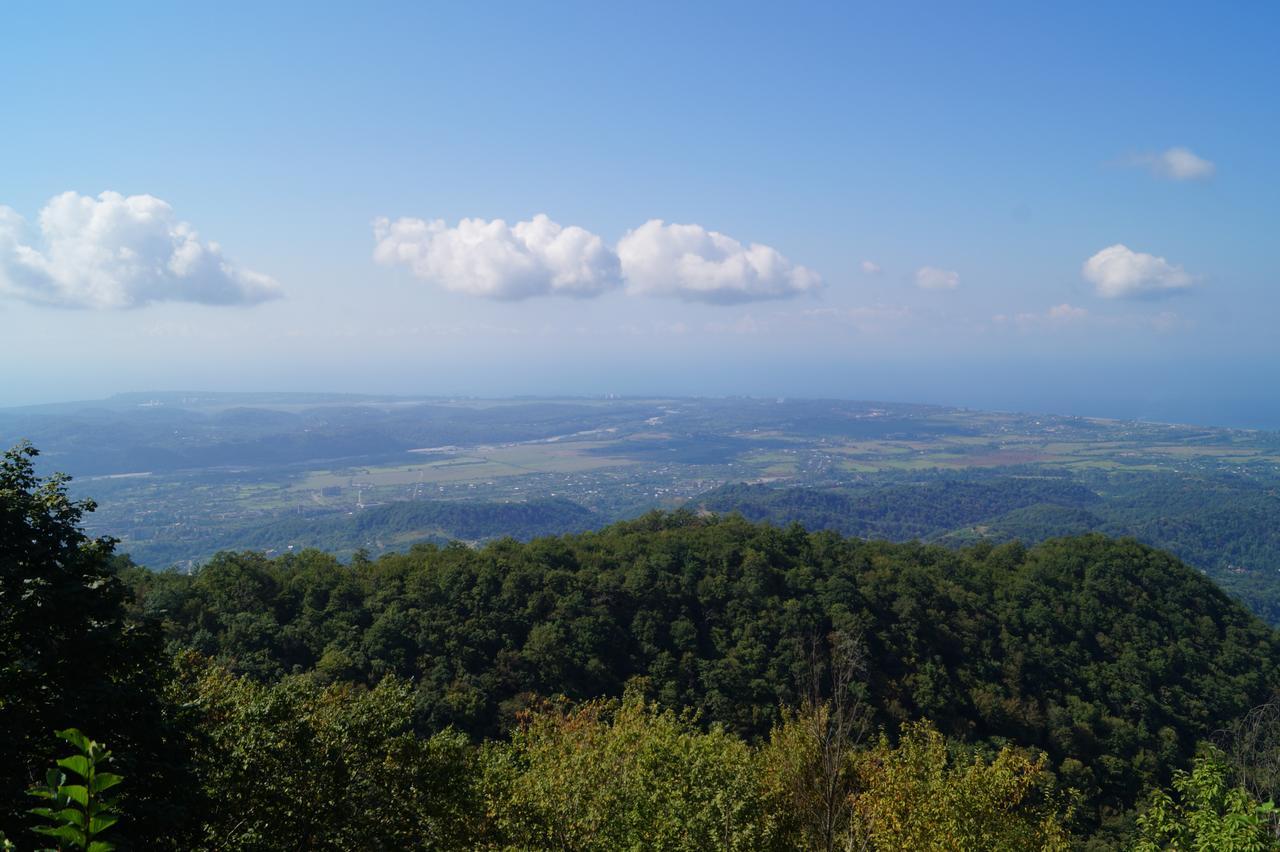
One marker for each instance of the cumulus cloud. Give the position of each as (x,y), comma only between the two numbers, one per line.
(117,251)
(697,265)
(499,261)
(933,278)
(1176,164)
(871,268)
(1118,272)
(540,257)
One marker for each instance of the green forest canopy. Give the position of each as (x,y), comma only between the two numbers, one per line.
(1111,656)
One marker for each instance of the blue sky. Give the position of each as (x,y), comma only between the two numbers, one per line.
(924,185)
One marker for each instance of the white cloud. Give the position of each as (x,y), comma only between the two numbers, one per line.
(491,259)
(539,257)
(1066,313)
(871,268)
(1118,272)
(933,278)
(697,265)
(118,251)
(1176,164)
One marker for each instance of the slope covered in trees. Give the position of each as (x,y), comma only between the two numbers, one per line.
(1223,524)
(458,698)
(1112,657)
(900,511)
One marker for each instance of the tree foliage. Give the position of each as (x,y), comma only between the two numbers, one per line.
(69,654)
(296,765)
(916,796)
(1205,812)
(1111,657)
(609,775)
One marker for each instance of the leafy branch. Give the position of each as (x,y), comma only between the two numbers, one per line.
(77,808)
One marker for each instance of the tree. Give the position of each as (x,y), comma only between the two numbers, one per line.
(1205,812)
(68,654)
(915,796)
(610,775)
(1252,745)
(296,765)
(809,753)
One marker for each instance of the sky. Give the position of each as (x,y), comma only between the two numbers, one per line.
(1068,208)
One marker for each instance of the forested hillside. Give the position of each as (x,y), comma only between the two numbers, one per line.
(1226,525)
(450,697)
(393,526)
(900,511)
(1112,657)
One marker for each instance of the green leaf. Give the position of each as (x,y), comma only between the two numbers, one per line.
(77,763)
(77,793)
(101,823)
(104,781)
(68,833)
(72,816)
(77,739)
(101,846)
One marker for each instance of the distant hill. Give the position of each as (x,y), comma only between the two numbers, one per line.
(1030,524)
(393,526)
(1223,525)
(899,512)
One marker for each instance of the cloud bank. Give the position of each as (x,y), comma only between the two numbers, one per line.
(117,251)
(1118,272)
(497,261)
(1176,164)
(933,278)
(696,265)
